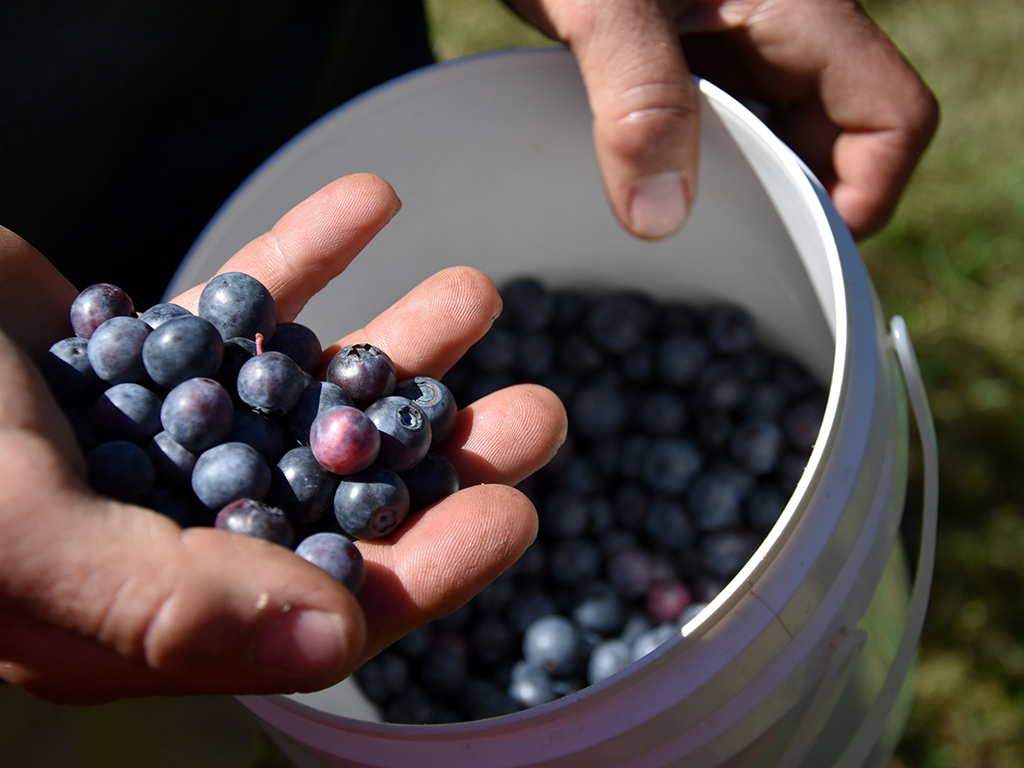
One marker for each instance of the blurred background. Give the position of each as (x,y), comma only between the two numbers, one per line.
(951,263)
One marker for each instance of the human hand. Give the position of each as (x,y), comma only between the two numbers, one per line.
(842,96)
(100,600)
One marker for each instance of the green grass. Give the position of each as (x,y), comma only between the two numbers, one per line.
(952,263)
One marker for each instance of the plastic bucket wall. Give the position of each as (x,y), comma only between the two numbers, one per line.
(803,657)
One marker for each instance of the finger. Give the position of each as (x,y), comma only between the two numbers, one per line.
(431,327)
(645,106)
(35,297)
(314,242)
(506,436)
(851,105)
(444,557)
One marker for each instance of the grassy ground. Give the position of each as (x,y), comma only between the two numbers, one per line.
(951,263)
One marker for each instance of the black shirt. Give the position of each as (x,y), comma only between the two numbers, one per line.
(124,125)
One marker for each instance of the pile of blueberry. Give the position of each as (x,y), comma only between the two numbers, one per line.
(686,440)
(218,418)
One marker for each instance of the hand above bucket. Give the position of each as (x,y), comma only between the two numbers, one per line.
(100,600)
(841,95)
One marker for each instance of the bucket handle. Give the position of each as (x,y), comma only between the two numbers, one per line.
(859,748)
(847,644)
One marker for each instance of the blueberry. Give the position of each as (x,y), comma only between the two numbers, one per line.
(565,515)
(238,305)
(670,464)
(344,440)
(159,314)
(525,608)
(726,552)
(121,470)
(228,472)
(757,445)
(337,555)
(536,355)
(651,640)
(365,372)
(69,373)
(317,396)
(530,685)
(681,357)
(803,423)
(763,507)
(722,386)
(597,409)
(716,497)
(662,412)
(182,348)
(197,413)
(668,526)
(577,354)
(608,658)
(172,462)
(128,411)
(300,343)
(484,700)
(496,352)
(236,352)
(270,382)
(97,304)
(600,609)
(527,304)
(620,321)
(731,330)
(492,642)
(115,350)
(383,677)
(260,431)
(431,480)
(254,518)
(667,600)
(574,562)
(435,400)
(553,644)
(444,669)
(404,428)
(301,486)
(371,504)
(631,571)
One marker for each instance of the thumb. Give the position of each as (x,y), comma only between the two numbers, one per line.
(644,102)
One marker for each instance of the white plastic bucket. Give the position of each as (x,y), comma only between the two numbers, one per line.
(804,659)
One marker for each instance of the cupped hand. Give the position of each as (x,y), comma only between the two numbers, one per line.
(101,600)
(840,93)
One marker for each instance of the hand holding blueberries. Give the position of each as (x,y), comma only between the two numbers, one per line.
(101,599)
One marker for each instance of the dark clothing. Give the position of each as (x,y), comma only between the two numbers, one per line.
(124,125)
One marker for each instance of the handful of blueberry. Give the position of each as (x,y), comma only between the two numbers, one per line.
(217,418)
(686,440)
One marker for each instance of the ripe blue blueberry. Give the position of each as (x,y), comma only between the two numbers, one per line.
(435,400)
(553,644)
(128,411)
(238,305)
(182,348)
(371,504)
(270,382)
(404,432)
(121,470)
(115,350)
(197,413)
(316,397)
(300,343)
(228,472)
(302,486)
(337,555)
(69,373)
(365,372)
(159,314)
(250,517)
(609,657)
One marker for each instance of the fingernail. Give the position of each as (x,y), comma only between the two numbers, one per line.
(659,206)
(303,642)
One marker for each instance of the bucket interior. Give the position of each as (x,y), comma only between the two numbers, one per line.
(504,179)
